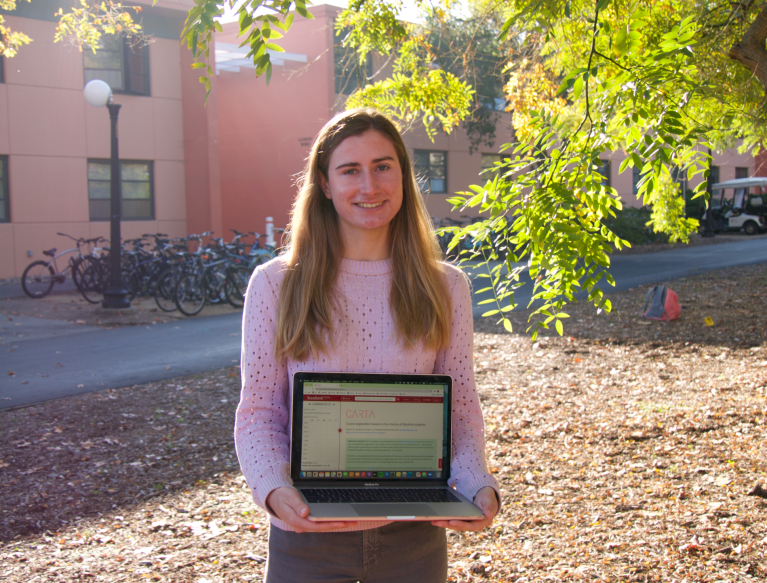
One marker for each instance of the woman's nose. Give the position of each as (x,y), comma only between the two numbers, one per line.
(368,182)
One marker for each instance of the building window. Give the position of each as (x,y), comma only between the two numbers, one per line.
(680,177)
(137,190)
(489,162)
(494,103)
(430,171)
(5,210)
(741,172)
(604,170)
(121,63)
(350,74)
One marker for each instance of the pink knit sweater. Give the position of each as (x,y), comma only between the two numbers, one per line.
(365,340)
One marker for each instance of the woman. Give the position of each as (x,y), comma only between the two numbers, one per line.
(359,289)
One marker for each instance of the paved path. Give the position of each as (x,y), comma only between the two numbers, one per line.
(52,359)
(643,269)
(15,291)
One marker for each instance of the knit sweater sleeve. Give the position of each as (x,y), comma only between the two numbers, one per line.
(262,419)
(469,470)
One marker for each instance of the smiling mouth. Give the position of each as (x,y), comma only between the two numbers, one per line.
(369,205)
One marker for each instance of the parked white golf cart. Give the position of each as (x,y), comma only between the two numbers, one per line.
(739,204)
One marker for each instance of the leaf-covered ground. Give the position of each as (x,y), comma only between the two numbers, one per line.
(627,450)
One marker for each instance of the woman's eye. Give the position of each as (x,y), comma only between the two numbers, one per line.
(382,167)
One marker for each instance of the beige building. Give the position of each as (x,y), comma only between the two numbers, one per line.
(188,167)
(55,148)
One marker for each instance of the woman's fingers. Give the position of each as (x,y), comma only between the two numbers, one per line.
(487,501)
(309,526)
(464,525)
(289,507)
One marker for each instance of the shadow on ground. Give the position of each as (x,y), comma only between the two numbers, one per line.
(626,450)
(104,452)
(733,299)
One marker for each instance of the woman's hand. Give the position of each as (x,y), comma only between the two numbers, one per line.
(487,501)
(289,507)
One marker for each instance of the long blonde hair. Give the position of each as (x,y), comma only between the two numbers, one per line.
(420,299)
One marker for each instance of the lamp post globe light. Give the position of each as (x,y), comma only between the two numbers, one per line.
(98,94)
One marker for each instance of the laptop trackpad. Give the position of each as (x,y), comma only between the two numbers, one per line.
(393,509)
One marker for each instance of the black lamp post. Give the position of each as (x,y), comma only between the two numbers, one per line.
(708,221)
(98,94)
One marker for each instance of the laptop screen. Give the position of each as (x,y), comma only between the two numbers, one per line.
(383,427)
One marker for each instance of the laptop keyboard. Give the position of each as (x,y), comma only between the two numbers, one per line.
(357,495)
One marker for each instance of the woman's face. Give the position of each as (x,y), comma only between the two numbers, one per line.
(365,184)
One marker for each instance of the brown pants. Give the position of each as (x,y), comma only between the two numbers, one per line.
(399,552)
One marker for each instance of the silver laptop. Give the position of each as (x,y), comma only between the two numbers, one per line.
(374,447)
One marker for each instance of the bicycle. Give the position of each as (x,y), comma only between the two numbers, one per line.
(144,267)
(39,276)
(259,253)
(195,289)
(219,274)
(182,263)
(138,273)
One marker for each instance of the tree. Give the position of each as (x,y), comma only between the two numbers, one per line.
(10,40)
(81,26)
(585,78)
(468,46)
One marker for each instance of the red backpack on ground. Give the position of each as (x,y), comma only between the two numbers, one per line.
(663,304)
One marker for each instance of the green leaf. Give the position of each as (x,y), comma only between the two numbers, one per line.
(621,43)
(261,64)
(270,33)
(245,21)
(577,88)
(559,327)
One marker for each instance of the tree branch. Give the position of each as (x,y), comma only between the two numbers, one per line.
(750,51)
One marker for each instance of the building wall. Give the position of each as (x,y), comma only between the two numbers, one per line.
(463,168)
(201,151)
(266,132)
(48,132)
